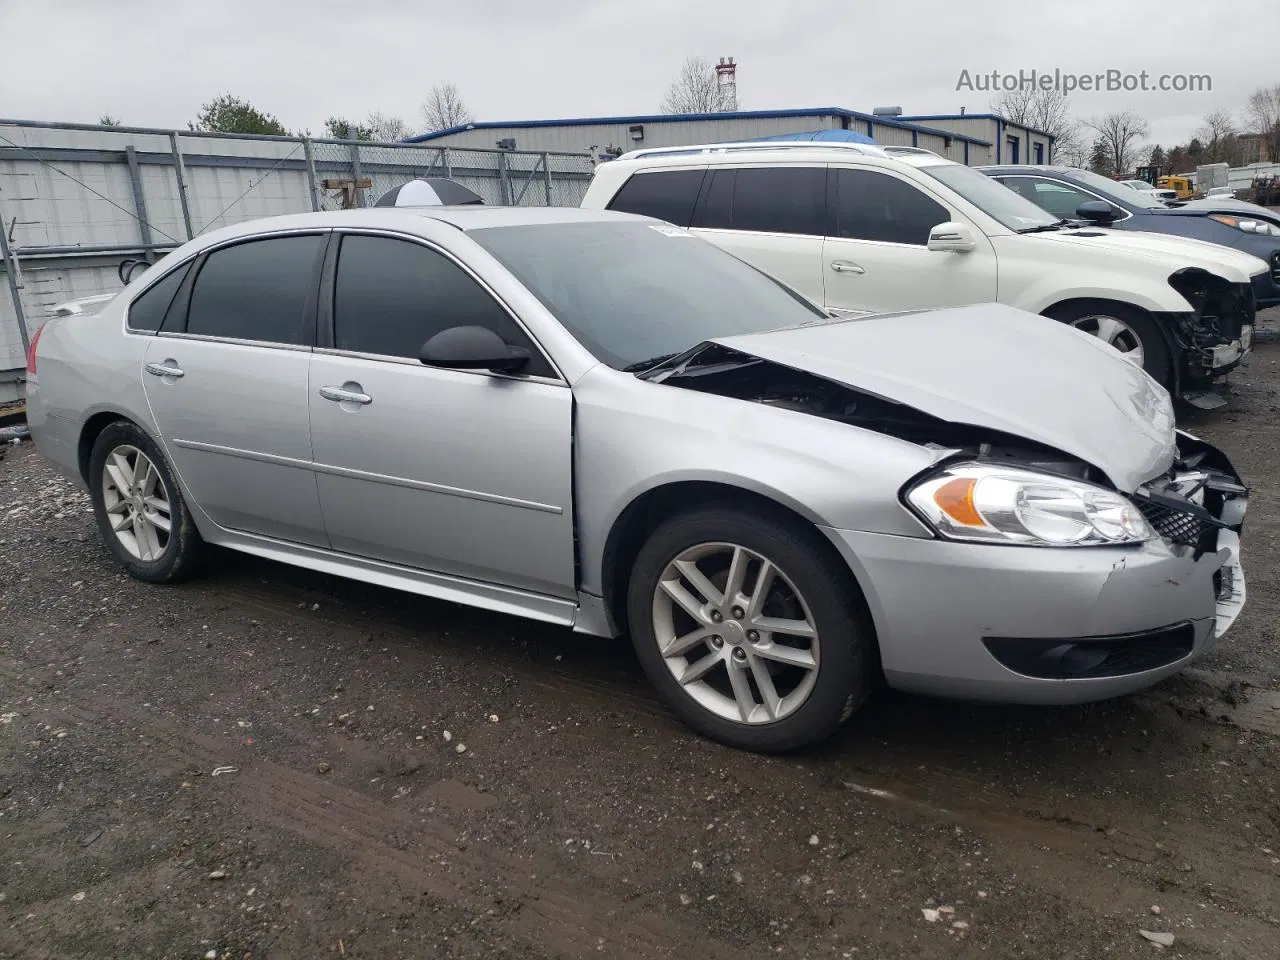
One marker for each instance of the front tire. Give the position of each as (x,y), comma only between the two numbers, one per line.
(1131,331)
(140,510)
(752,632)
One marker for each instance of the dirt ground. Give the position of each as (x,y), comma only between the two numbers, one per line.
(268,763)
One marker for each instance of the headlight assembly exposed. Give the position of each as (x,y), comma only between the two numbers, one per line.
(986,503)
(1247,224)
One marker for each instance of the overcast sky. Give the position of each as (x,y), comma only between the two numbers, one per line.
(153,62)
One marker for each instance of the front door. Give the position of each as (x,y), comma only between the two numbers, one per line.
(228,387)
(876,258)
(456,472)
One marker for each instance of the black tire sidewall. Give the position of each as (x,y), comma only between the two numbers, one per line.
(1157,353)
(844,630)
(183,548)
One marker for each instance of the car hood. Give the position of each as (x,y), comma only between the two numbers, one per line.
(995,367)
(1173,251)
(1227,205)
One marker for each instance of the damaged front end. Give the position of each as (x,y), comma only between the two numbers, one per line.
(1214,337)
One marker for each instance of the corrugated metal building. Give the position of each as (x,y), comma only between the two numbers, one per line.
(976,139)
(1010,142)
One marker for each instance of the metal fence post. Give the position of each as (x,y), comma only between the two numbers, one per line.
(140,202)
(14,274)
(316,206)
(504,179)
(448,167)
(180,170)
(355,174)
(546,171)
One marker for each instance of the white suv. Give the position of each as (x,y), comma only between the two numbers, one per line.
(863,229)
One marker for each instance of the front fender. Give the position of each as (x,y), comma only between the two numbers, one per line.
(1136,291)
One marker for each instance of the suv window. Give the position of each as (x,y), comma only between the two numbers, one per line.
(767,200)
(1050,195)
(259,290)
(875,206)
(665,195)
(392,296)
(147,312)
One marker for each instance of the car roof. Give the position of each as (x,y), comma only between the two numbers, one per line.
(412,219)
(760,152)
(1028,168)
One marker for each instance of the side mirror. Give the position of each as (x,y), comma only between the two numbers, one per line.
(129,269)
(472,348)
(952,237)
(1097,211)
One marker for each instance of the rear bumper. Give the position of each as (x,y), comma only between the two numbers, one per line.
(56,439)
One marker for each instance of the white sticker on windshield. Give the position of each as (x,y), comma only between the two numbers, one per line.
(669,230)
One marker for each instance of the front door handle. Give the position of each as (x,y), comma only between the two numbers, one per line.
(169,368)
(846,266)
(347,393)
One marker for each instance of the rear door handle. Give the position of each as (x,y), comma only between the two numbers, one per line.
(347,393)
(846,266)
(169,368)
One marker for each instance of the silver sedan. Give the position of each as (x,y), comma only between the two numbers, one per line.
(602,421)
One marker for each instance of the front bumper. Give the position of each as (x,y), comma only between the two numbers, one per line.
(1043,625)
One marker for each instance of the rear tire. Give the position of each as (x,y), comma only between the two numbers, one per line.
(1125,327)
(737,666)
(140,510)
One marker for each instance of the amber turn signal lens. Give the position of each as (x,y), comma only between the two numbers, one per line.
(955,498)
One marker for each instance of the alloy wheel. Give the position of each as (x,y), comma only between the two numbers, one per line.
(137,503)
(1116,333)
(736,633)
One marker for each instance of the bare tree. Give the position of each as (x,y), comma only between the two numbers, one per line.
(1264,116)
(444,108)
(385,128)
(1218,134)
(1045,110)
(1120,135)
(697,90)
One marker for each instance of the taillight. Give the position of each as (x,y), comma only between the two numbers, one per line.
(31,351)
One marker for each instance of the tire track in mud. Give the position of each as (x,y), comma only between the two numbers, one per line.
(533,907)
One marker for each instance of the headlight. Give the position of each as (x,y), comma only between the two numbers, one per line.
(987,503)
(1247,225)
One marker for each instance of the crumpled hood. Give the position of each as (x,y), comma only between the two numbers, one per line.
(998,367)
(1175,252)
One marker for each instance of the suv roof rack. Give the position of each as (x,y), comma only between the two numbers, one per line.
(866,149)
(895,150)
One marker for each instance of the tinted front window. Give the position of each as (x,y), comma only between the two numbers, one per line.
(630,292)
(392,296)
(147,311)
(876,206)
(665,195)
(259,290)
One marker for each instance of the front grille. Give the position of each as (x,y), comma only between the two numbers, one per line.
(1177,526)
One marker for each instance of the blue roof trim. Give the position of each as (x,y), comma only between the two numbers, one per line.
(682,117)
(975,116)
(843,136)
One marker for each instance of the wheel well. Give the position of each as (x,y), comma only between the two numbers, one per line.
(1062,306)
(89,435)
(643,515)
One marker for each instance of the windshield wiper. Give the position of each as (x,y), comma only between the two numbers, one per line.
(642,366)
(1045,227)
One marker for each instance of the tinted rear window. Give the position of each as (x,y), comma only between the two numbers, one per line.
(258,290)
(147,312)
(665,195)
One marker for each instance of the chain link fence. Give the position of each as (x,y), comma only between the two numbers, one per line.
(76,199)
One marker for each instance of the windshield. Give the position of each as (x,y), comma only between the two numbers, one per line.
(634,292)
(990,196)
(1113,191)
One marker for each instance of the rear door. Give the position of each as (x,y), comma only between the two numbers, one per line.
(877,259)
(774,217)
(226,379)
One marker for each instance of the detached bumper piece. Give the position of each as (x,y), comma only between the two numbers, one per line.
(1213,339)
(1084,658)
(1200,505)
